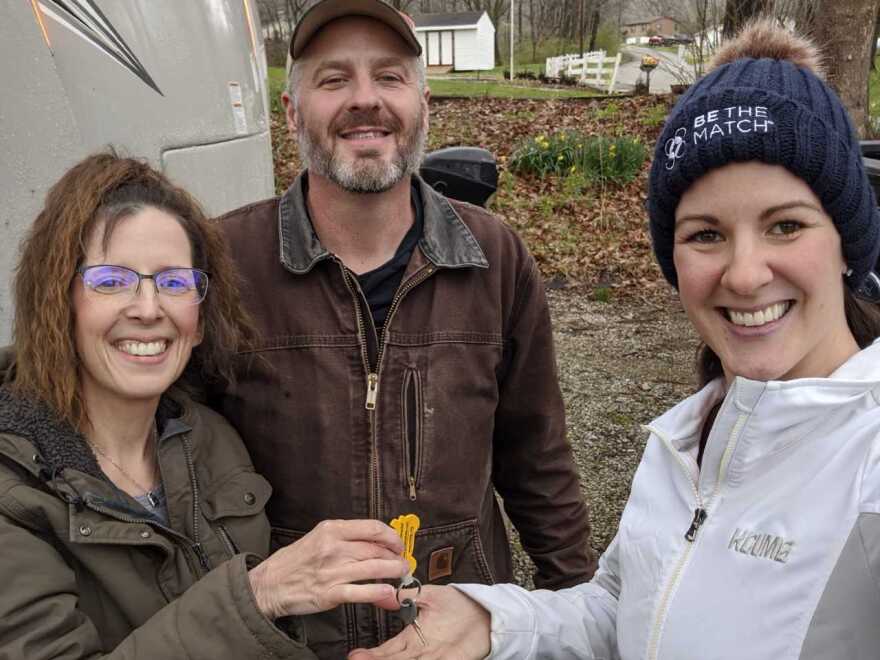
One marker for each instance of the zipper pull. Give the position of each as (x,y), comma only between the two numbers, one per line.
(372,391)
(203,558)
(696,523)
(412,489)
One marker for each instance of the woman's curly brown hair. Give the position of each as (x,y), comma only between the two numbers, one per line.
(106,188)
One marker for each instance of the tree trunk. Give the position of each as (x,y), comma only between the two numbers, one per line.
(738,12)
(581,26)
(519,20)
(594,29)
(532,22)
(844,29)
(874,43)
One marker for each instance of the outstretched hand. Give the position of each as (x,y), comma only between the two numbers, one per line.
(318,572)
(455,627)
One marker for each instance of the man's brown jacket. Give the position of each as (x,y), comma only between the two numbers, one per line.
(455,399)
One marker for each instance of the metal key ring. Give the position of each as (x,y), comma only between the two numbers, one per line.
(408,585)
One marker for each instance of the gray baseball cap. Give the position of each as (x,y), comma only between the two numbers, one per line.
(329,10)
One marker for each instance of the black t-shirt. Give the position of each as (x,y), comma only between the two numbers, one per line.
(380,284)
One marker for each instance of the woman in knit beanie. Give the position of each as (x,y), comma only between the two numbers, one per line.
(753,524)
(765,106)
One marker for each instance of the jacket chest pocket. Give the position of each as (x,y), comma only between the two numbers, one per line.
(412,429)
(235,510)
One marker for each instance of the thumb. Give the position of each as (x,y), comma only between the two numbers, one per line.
(388,603)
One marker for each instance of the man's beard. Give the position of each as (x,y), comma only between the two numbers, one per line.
(364,174)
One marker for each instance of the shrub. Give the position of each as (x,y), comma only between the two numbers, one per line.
(654,115)
(571,154)
(614,160)
(601,294)
(608,111)
(544,155)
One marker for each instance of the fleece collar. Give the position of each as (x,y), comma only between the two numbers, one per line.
(58,445)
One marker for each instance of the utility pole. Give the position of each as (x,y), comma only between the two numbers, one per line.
(511,39)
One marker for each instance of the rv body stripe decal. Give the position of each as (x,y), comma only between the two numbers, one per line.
(84,18)
(97,18)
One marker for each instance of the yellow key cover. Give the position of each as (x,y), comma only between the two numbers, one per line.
(406,527)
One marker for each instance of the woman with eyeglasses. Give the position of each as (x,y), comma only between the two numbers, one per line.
(131,518)
(752,528)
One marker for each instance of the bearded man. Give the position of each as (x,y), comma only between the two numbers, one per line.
(406,363)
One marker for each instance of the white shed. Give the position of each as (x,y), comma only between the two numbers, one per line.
(464,41)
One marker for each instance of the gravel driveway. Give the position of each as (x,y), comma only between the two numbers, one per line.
(621,363)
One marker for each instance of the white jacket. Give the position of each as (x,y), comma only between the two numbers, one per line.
(785,564)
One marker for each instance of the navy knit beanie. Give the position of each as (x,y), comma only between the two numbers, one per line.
(775,112)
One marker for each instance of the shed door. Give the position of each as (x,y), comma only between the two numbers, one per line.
(447,48)
(433,48)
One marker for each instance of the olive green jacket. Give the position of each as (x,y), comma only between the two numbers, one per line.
(87,573)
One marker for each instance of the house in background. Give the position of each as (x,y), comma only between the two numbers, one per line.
(461,42)
(640,31)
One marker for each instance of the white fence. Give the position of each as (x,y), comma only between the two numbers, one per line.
(593,68)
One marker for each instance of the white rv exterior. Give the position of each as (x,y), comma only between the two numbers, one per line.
(180,83)
(464,41)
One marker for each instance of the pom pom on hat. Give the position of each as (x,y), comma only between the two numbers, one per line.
(761,39)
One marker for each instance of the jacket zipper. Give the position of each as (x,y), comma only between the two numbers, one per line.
(373,379)
(193,545)
(227,540)
(197,545)
(412,431)
(701,512)
(373,374)
(407,286)
(402,290)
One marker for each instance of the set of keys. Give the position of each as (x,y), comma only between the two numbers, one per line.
(406,527)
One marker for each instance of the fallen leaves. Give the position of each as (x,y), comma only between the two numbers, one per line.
(594,235)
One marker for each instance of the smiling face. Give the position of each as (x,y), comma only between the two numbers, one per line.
(133,347)
(760,269)
(359,113)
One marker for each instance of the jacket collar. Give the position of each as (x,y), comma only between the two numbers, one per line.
(782,403)
(58,446)
(761,422)
(447,241)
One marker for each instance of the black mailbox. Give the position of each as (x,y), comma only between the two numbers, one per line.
(469,174)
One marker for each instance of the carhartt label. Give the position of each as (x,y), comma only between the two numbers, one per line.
(761,546)
(730,121)
(440,564)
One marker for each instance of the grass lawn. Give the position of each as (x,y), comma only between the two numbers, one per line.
(498,89)
(497,73)
(277,80)
(457,87)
